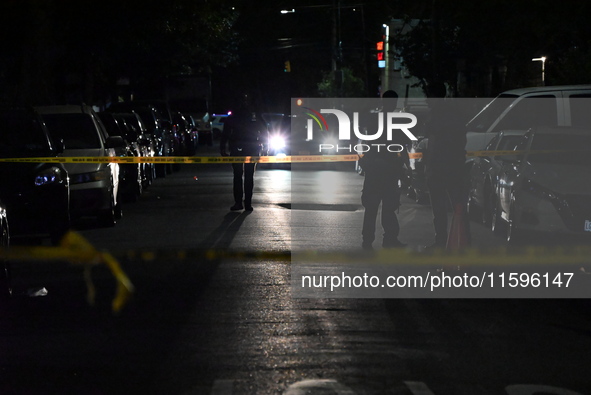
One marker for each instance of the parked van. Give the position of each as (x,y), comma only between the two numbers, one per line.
(530,108)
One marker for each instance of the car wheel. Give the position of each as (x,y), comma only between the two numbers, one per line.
(107,218)
(5,279)
(137,189)
(472,210)
(118,212)
(146,176)
(488,206)
(160,170)
(151,173)
(497,224)
(514,234)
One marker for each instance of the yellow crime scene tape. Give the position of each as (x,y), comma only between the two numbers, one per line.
(75,249)
(190,159)
(525,255)
(240,159)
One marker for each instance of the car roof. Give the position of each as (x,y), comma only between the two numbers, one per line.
(64,109)
(524,91)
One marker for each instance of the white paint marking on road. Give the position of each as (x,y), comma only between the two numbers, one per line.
(307,387)
(531,389)
(418,388)
(222,387)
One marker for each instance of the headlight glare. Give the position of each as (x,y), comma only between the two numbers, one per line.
(276,142)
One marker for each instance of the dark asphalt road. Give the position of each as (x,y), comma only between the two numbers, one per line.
(199,326)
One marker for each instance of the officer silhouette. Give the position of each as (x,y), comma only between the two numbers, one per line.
(444,160)
(383,169)
(241,136)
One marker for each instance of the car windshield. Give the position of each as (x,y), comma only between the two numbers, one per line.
(19,133)
(566,147)
(489,114)
(77,130)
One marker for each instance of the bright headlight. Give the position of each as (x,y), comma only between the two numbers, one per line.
(276,142)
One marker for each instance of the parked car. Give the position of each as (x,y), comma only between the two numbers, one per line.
(130,174)
(194,132)
(143,143)
(94,188)
(158,127)
(548,188)
(485,173)
(196,108)
(186,130)
(37,195)
(5,280)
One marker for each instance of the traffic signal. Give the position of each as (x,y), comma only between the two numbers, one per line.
(287,67)
(381,55)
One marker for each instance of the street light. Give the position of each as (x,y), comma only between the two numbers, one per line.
(543,60)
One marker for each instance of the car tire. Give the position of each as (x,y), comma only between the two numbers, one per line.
(137,190)
(118,212)
(472,210)
(107,218)
(161,170)
(151,173)
(5,275)
(497,225)
(488,206)
(514,233)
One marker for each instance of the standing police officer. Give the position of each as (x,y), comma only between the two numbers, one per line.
(383,170)
(445,159)
(241,135)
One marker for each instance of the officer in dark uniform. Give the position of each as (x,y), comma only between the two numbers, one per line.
(241,136)
(383,169)
(445,159)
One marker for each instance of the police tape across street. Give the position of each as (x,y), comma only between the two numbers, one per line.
(234,159)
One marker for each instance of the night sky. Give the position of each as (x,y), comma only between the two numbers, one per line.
(63,51)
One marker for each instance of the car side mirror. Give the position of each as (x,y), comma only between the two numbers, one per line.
(115,142)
